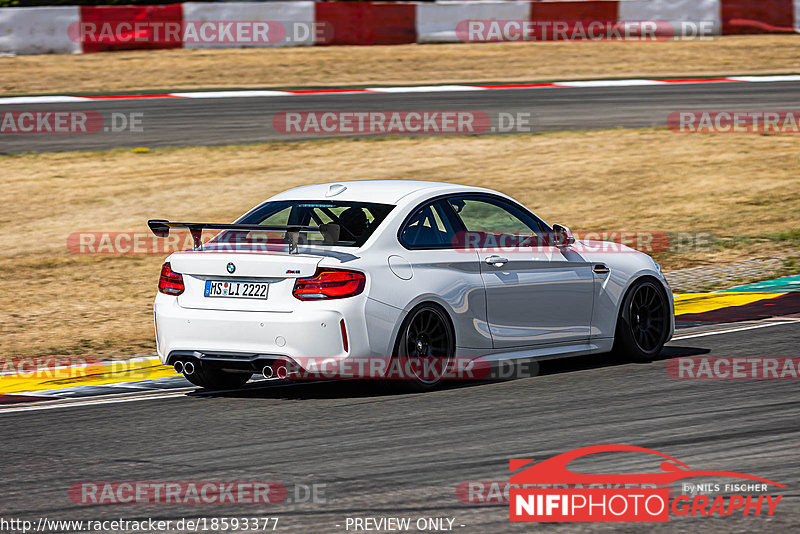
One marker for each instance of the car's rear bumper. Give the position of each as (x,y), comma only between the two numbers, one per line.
(314,335)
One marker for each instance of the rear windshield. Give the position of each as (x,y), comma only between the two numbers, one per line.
(357,220)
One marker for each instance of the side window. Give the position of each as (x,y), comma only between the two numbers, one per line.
(277,218)
(428,227)
(495,219)
(261,236)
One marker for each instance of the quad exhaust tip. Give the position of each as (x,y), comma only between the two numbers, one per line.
(188,368)
(178,367)
(278,372)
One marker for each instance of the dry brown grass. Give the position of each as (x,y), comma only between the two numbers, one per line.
(405,64)
(58,303)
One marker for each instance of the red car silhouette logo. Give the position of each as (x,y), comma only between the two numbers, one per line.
(554,470)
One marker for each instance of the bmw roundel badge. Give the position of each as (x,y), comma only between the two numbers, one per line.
(231,268)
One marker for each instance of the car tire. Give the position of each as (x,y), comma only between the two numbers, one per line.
(643,321)
(425,342)
(217,379)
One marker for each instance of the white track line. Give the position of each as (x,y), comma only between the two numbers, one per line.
(741,329)
(42,99)
(90,403)
(610,83)
(52,99)
(231,94)
(425,89)
(786,78)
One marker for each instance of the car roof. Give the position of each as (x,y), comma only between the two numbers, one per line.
(380,191)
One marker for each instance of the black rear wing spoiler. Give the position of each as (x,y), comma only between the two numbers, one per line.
(161,228)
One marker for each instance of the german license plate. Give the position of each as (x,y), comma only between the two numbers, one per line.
(239,290)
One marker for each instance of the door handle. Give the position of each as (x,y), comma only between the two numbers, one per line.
(497,261)
(601,268)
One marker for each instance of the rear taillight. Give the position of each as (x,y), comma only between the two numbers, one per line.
(330,284)
(170,283)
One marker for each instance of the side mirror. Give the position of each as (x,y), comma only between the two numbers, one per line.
(562,236)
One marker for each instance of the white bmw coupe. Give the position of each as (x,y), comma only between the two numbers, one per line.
(397,279)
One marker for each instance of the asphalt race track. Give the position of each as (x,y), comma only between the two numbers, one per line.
(223,121)
(402,455)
